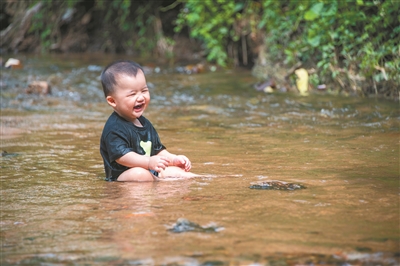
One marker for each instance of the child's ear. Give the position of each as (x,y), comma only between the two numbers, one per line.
(111,101)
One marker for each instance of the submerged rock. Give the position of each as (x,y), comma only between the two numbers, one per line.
(184,225)
(39,87)
(276,185)
(5,153)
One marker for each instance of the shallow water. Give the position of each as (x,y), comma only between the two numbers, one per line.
(57,208)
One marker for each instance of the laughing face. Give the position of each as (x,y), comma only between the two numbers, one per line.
(130,97)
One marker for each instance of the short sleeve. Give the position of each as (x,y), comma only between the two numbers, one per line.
(117,145)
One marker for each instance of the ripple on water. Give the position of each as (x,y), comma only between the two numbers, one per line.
(345,150)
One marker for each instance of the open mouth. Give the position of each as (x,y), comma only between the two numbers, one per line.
(138,107)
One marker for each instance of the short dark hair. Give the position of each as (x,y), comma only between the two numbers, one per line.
(121,67)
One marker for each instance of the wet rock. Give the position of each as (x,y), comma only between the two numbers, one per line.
(191,69)
(266,86)
(8,154)
(67,16)
(94,68)
(38,87)
(148,69)
(302,80)
(13,63)
(276,185)
(183,225)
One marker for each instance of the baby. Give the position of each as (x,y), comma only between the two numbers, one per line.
(130,146)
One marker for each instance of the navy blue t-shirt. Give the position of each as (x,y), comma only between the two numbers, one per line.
(120,137)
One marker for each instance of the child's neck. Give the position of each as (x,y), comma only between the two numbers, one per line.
(137,123)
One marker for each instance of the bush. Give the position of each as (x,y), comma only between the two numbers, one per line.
(351,44)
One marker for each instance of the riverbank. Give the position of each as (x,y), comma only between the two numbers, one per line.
(271,38)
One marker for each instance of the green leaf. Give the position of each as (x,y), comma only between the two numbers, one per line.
(332,10)
(262,24)
(314,12)
(314,41)
(193,18)
(223,30)
(238,7)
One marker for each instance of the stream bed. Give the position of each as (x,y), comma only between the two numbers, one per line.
(57,209)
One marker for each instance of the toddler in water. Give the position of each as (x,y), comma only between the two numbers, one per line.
(130,146)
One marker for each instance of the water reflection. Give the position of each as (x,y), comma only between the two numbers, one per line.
(57,208)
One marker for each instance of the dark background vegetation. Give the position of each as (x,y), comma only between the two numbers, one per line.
(351,46)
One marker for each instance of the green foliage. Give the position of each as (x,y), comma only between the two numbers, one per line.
(123,25)
(354,44)
(211,22)
(40,25)
(347,41)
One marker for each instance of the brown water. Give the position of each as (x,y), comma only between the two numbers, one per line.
(57,209)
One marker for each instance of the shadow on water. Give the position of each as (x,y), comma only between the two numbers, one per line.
(57,208)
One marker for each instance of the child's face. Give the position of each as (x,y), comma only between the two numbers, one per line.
(131,96)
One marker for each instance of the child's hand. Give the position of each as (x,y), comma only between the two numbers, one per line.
(158,163)
(183,162)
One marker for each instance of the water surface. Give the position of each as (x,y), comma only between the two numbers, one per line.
(57,208)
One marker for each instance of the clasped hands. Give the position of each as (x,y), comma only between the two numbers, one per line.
(159,163)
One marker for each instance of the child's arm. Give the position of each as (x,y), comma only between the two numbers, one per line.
(132,159)
(177,160)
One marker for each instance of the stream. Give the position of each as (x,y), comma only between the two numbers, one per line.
(57,209)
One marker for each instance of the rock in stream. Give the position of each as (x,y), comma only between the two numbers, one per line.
(276,185)
(184,225)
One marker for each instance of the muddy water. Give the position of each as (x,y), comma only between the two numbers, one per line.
(56,207)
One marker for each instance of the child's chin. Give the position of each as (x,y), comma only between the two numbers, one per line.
(138,114)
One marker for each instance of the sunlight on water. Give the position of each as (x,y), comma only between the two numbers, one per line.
(57,208)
